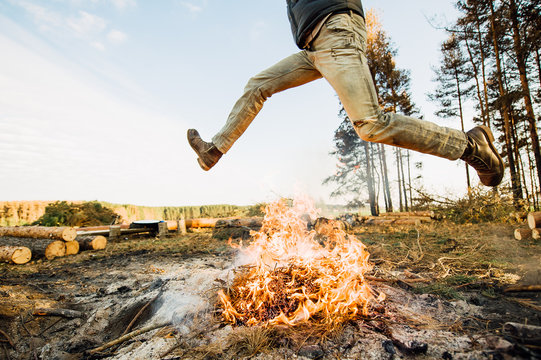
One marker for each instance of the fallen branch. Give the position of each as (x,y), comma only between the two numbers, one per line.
(522,288)
(128,328)
(128,337)
(8,339)
(70,314)
(526,334)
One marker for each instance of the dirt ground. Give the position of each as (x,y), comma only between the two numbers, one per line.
(444,283)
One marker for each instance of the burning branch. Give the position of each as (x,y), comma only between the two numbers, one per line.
(292,278)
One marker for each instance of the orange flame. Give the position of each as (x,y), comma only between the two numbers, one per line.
(292,278)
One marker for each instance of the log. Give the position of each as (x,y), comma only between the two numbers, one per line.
(53,249)
(523,234)
(534,220)
(406,221)
(15,254)
(224,222)
(429,214)
(103,227)
(526,334)
(72,247)
(39,247)
(40,232)
(66,313)
(536,234)
(92,242)
(522,288)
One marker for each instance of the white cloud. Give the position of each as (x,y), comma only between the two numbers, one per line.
(123,4)
(98,45)
(43,17)
(86,24)
(116,36)
(194,9)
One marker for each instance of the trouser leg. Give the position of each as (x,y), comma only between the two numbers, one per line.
(342,62)
(293,71)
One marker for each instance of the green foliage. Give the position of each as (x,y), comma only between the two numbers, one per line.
(62,213)
(482,205)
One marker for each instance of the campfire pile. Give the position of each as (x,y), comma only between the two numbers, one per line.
(293,277)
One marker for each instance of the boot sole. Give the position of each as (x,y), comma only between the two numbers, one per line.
(199,161)
(488,133)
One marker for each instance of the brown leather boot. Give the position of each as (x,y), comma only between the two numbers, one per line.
(208,153)
(483,157)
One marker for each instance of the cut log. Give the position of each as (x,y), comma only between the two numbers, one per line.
(15,254)
(40,247)
(72,247)
(526,334)
(429,214)
(53,249)
(92,242)
(224,222)
(523,234)
(103,227)
(244,222)
(536,234)
(66,313)
(534,220)
(40,232)
(406,221)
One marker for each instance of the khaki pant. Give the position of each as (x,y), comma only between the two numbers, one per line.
(338,55)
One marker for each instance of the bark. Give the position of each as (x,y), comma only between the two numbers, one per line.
(40,232)
(526,334)
(521,64)
(41,248)
(523,234)
(370,180)
(15,254)
(92,242)
(224,222)
(504,109)
(462,124)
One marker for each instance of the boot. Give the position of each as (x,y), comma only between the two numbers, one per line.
(208,153)
(481,154)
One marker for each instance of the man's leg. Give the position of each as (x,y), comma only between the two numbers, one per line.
(343,64)
(293,71)
(339,54)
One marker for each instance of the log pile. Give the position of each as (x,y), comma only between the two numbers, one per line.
(533,231)
(400,218)
(19,244)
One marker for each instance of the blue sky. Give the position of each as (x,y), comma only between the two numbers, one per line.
(96,97)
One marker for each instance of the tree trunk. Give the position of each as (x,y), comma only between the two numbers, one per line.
(461,112)
(15,254)
(397,152)
(386,183)
(521,64)
(92,242)
(370,179)
(517,193)
(40,232)
(403,181)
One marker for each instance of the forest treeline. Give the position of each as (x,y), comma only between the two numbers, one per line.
(491,61)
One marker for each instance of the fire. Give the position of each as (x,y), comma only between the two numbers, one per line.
(292,278)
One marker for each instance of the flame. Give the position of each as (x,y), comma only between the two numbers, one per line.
(292,278)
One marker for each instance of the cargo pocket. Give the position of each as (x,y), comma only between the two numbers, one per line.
(340,22)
